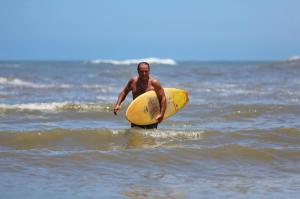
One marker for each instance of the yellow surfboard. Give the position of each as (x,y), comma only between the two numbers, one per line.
(144,108)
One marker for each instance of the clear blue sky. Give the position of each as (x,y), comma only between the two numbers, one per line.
(125,29)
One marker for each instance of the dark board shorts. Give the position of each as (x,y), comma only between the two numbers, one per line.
(150,126)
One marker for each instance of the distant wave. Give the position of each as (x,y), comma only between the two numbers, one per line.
(294,58)
(134,61)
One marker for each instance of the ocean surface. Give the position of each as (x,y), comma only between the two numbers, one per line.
(238,137)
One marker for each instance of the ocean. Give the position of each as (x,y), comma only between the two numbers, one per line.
(238,137)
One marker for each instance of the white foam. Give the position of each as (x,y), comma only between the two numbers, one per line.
(294,58)
(22,83)
(225,89)
(150,60)
(19,82)
(16,82)
(53,106)
(34,106)
(102,88)
(174,134)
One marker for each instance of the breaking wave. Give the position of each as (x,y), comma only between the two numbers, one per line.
(11,81)
(17,82)
(91,139)
(134,61)
(54,106)
(215,145)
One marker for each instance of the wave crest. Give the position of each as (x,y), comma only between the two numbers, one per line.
(150,60)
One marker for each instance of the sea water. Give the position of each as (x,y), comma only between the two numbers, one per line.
(238,137)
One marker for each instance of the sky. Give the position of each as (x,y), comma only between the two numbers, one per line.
(204,30)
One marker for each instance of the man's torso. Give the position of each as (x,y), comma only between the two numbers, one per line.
(139,87)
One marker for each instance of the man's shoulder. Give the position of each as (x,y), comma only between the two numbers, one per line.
(133,79)
(154,81)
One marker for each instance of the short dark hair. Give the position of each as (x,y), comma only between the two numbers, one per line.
(143,63)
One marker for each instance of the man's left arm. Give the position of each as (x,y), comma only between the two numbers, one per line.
(161,98)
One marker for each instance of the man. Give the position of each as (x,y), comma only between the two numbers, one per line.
(139,85)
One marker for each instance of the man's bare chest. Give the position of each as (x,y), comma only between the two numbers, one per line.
(140,88)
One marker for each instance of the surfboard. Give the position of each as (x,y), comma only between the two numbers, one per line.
(143,109)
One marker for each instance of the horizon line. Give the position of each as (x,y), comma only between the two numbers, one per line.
(182,60)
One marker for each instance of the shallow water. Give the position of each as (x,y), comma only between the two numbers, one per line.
(238,136)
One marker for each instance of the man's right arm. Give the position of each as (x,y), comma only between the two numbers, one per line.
(122,96)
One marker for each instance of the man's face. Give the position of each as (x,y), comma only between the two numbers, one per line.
(143,72)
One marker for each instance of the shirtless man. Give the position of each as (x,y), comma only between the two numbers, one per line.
(139,85)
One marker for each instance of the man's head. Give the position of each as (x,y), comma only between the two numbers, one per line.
(143,69)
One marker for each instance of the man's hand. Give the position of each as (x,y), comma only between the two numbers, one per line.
(159,118)
(117,109)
